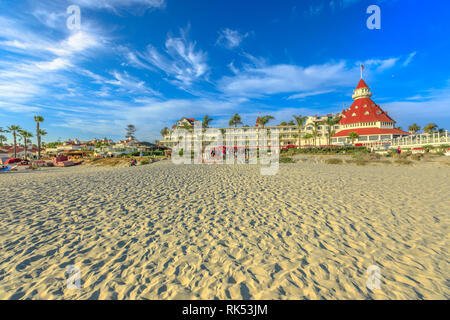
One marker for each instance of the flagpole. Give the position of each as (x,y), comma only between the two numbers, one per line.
(361,71)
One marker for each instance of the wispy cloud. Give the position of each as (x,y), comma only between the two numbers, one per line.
(429,107)
(180,61)
(309,94)
(115,5)
(230,39)
(262,79)
(409,59)
(130,84)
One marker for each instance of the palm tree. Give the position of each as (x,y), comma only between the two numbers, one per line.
(25,134)
(235,120)
(2,139)
(206,121)
(38,120)
(300,120)
(331,122)
(205,124)
(42,133)
(264,120)
(164,132)
(187,126)
(430,128)
(399,128)
(14,130)
(414,128)
(353,135)
(315,133)
(308,137)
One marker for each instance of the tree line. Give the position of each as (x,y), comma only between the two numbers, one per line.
(16,131)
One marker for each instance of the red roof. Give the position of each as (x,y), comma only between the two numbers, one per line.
(369,131)
(364,110)
(361,84)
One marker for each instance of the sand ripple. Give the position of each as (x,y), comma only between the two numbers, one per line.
(225,232)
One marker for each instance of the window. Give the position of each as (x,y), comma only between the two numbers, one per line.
(363,138)
(373,138)
(354,115)
(366,113)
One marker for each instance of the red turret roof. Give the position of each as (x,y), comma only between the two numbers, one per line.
(364,110)
(362,84)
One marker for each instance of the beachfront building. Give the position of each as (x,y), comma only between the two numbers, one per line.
(314,132)
(365,118)
(8,152)
(74,148)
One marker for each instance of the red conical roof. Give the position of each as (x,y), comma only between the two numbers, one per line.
(364,110)
(362,84)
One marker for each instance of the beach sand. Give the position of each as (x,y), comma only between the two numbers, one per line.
(226,232)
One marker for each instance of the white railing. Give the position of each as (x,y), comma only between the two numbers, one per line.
(414,141)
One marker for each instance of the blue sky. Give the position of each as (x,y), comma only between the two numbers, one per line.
(150,62)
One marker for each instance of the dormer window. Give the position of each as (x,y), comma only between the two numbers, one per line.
(354,114)
(356,107)
(365,106)
(366,113)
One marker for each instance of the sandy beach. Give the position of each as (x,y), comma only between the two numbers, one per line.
(226,232)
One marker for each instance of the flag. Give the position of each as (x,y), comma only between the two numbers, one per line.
(362,67)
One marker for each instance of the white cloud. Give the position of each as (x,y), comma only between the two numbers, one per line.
(309,94)
(114,5)
(423,109)
(130,84)
(409,59)
(230,39)
(181,61)
(263,79)
(380,64)
(53,65)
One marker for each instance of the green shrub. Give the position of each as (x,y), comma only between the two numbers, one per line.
(358,162)
(403,161)
(333,161)
(286,160)
(361,162)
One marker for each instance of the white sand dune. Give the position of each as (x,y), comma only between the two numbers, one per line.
(225,232)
